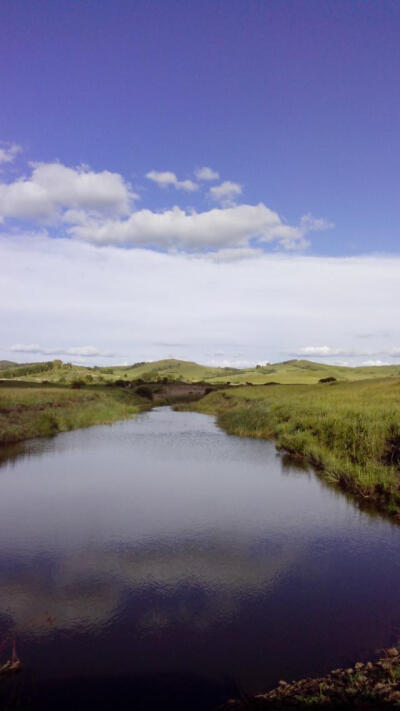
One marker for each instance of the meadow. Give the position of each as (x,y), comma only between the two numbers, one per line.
(28,410)
(349,431)
(289,372)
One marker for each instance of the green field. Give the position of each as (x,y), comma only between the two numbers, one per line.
(349,431)
(289,372)
(28,411)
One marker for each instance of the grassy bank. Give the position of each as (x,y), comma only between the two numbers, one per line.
(350,431)
(28,410)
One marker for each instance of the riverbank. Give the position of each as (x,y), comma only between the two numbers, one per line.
(28,410)
(363,686)
(350,432)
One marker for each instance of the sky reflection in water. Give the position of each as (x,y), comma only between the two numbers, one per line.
(162,546)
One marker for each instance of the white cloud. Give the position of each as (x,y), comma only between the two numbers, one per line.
(167,178)
(321,351)
(215,229)
(8,152)
(85,351)
(134,301)
(309,223)
(230,363)
(54,187)
(206,173)
(226,192)
(328,351)
(375,362)
(97,207)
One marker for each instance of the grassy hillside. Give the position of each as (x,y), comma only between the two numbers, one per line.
(28,410)
(305,371)
(7,364)
(293,371)
(350,431)
(174,369)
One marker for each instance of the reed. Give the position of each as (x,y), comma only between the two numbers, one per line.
(349,431)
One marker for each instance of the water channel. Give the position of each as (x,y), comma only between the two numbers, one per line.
(160,563)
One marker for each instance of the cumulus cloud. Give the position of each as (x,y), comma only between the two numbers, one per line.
(85,351)
(226,192)
(8,152)
(53,188)
(97,207)
(167,178)
(214,229)
(206,173)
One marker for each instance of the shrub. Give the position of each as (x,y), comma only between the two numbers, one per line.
(144,391)
(77,384)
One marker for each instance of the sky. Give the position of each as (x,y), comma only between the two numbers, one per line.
(213,180)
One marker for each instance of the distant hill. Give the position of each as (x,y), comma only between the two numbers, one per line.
(7,364)
(172,368)
(291,371)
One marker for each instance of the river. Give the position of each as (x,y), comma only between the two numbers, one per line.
(161,563)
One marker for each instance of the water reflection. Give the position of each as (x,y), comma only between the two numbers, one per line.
(164,552)
(86,588)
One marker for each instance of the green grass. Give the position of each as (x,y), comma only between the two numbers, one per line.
(28,410)
(350,431)
(288,372)
(294,371)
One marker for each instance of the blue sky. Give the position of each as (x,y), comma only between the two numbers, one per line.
(109,112)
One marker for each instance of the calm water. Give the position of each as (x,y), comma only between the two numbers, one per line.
(162,562)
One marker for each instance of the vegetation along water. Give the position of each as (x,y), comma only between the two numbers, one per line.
(343,422)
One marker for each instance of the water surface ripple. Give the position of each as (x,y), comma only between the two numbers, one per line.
(160,561)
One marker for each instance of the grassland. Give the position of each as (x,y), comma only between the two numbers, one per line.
(349,431)
(293,371)
(288,372)
(28,410)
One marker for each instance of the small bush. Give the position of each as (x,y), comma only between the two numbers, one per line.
(145,392)
(77,384)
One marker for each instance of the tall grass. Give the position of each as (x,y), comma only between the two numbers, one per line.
(351,431)
(32,411)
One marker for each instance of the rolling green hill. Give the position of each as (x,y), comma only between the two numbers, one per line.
(292,371)
(7,364)
(288,372)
